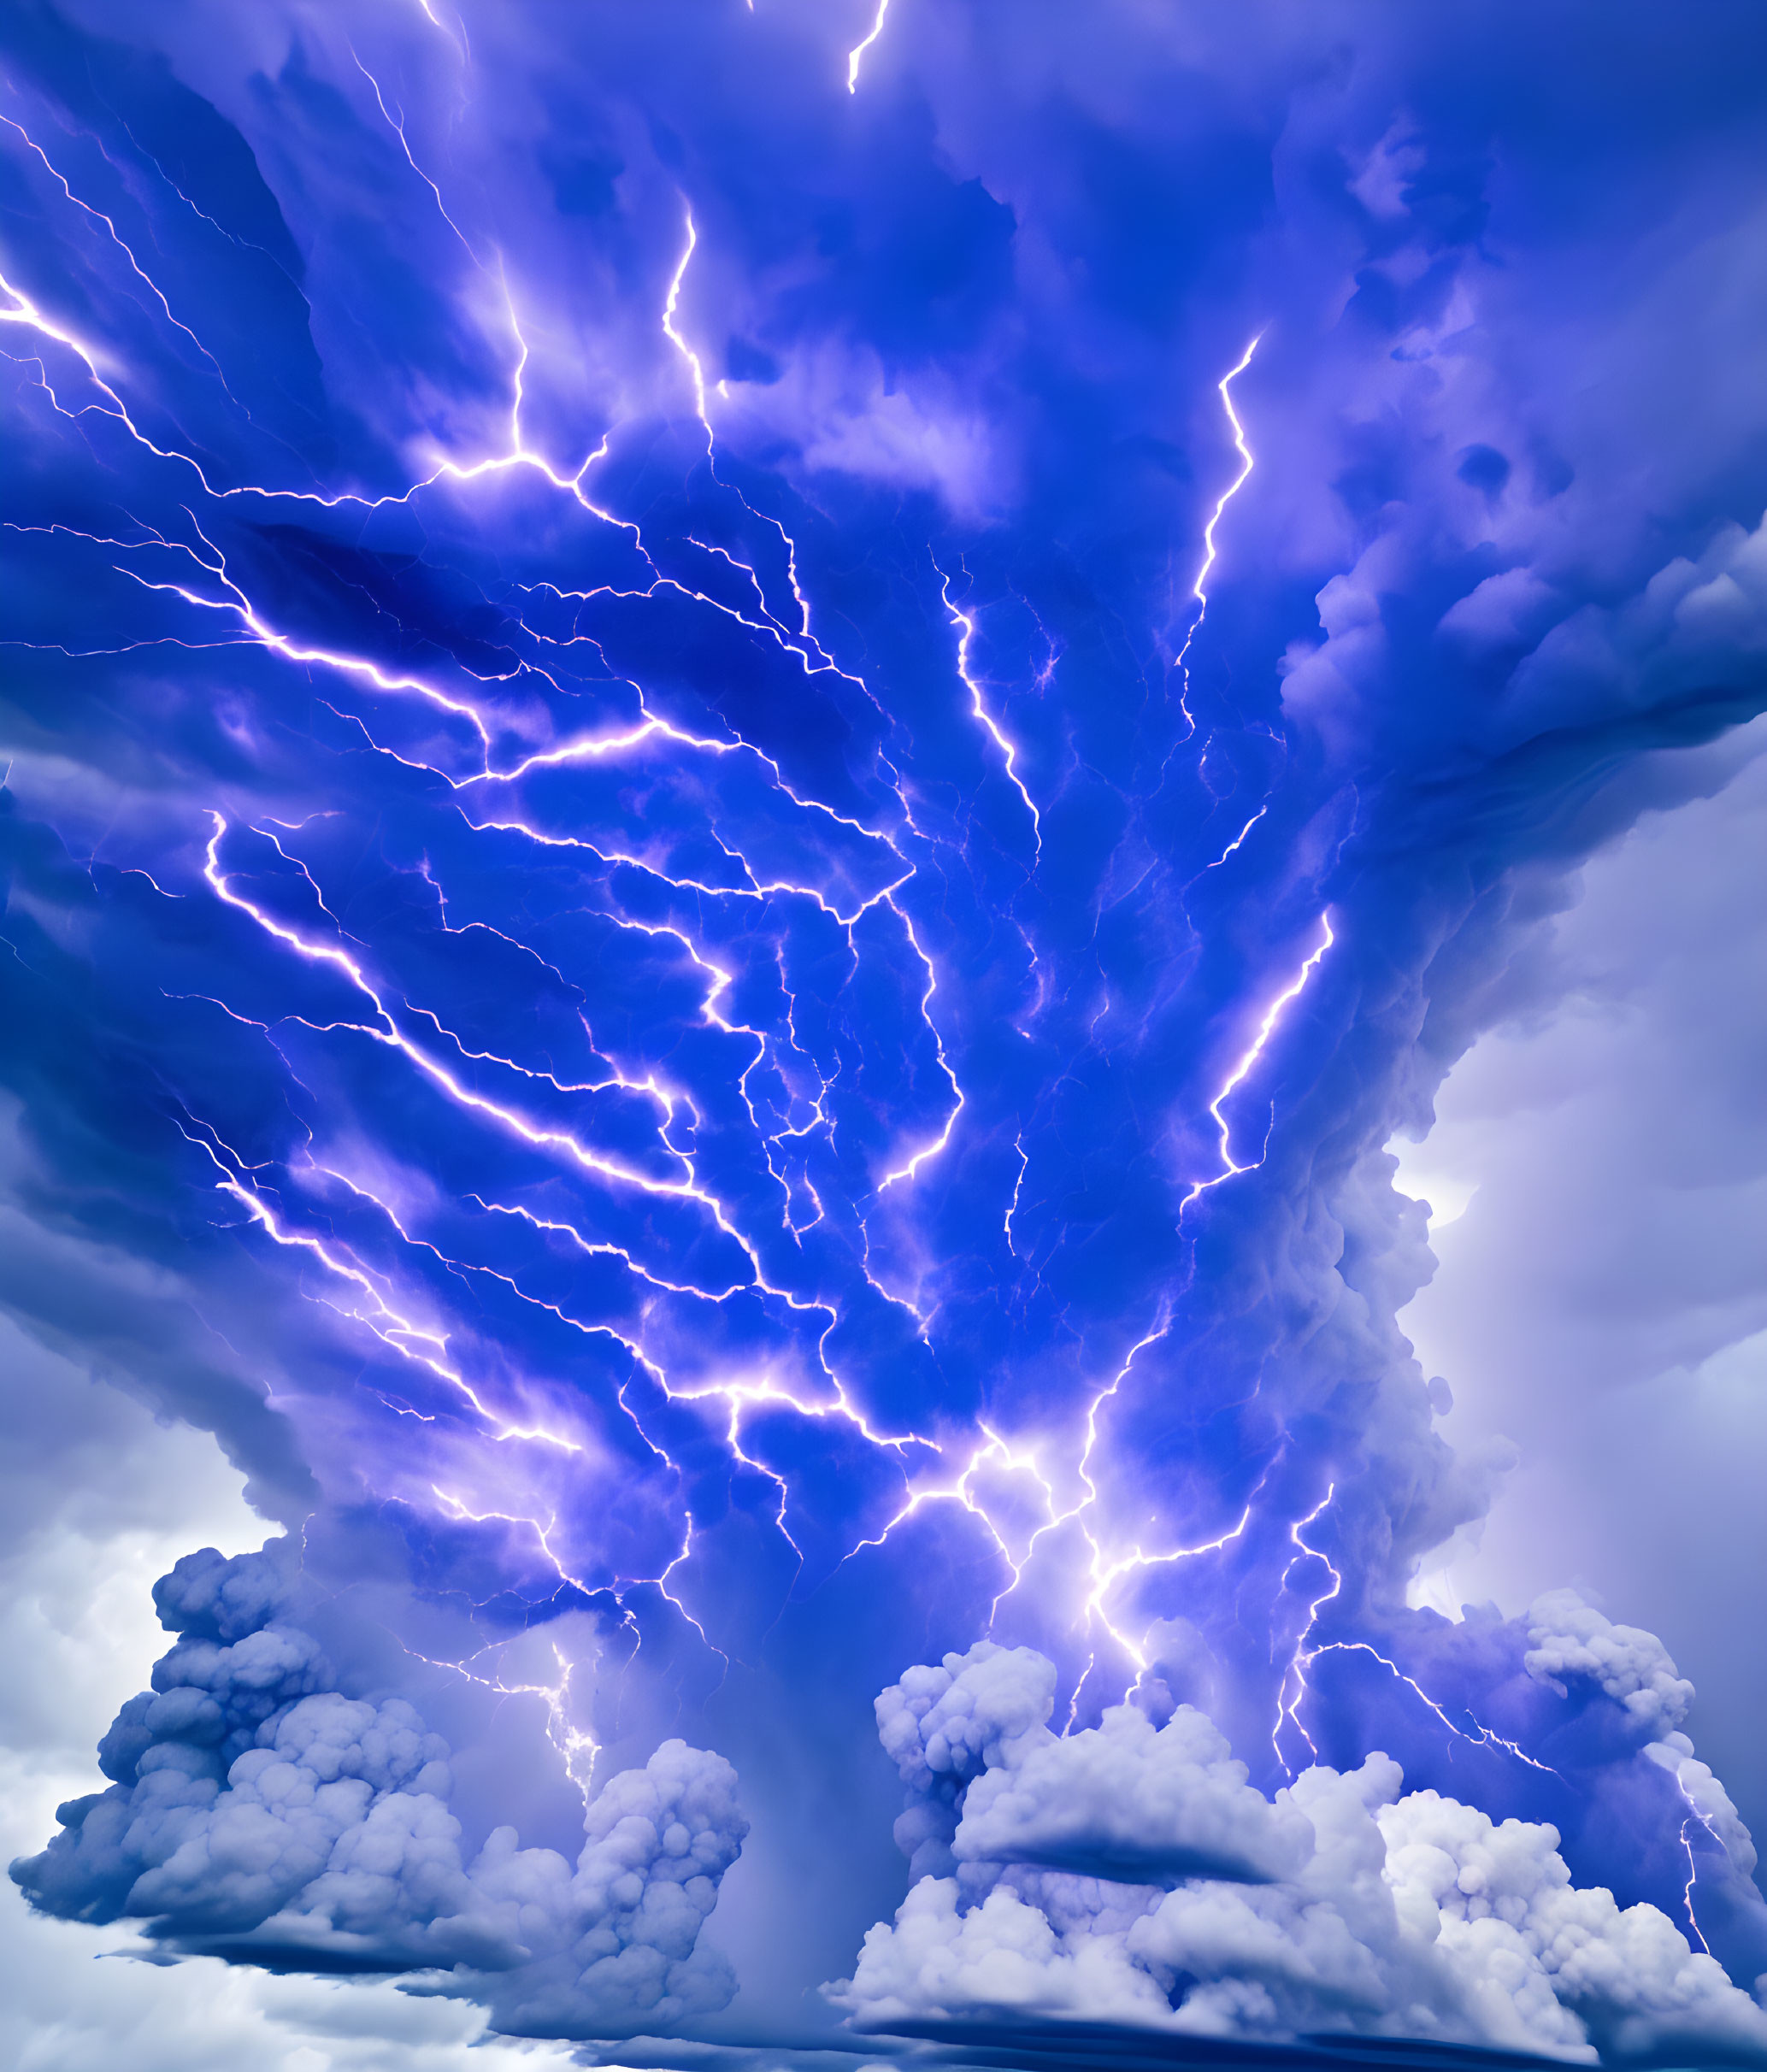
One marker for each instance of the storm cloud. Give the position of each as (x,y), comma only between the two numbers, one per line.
(752,754)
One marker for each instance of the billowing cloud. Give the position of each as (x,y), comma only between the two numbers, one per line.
(1403,1915)
(1120,1801)
(256,1808)
(1570,1638)
(1123,1800)
(738,797)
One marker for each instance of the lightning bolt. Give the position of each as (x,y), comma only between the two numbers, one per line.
(1199,589)
(1293,1685)
(379,1282)
(1248,1059)
(965,623)
(855,58)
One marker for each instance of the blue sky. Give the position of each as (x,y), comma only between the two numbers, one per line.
(779,780)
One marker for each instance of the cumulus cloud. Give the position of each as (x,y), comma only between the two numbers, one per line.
(256,1807)
(1127,1801)
(99,1500)
(1000,1955)
(1569,1639)
(990,1784)
(949,1723)
(1393,1913)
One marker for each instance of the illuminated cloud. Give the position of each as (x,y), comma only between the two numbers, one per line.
(1407,1916)
(751,754)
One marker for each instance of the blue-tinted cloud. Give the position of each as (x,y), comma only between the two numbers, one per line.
(713,928)
(255,1812)
(1343,1907)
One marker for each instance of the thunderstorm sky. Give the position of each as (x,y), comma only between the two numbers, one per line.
(881,983)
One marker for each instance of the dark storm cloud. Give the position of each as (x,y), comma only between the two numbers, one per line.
(658,961)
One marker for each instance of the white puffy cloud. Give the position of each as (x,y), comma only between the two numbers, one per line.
(616,1947)
(1570,1638)
(1400,1916)
(98,1500)
(1123,1800)
(1002,1956)
(946,1723)
(289,1812)
(1120,1801)
(255,1808)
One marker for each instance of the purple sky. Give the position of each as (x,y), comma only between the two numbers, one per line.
(757,759)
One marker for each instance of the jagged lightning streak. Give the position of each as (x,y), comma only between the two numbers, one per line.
(370,1301)
(1107,1574)
(398,1330)
(1198,591)
(1486,1737)
(1693,1928)
(127,249)
(993,1450)
(1248,1059)
(670,305)
(961,1477)
(396,124)
(395,1329)
(735,1396)
(855,58)
(541,1137)
(1234,846)
(965,623)
(1224,389)
(1694,1814)
(696,368)
(1293,1687)
(1104,1571)
(1024,1167)
(578,1748)
(939,1143)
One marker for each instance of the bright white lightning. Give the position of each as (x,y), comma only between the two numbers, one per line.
(802,643)
(1232,846)
(1199,592)
(1105,1576)
(127,251)
(1693,1813)
(410,1337)
(674,336)
(855,56)
(1287,1706)
(1248,1059)
(1224,387)
(939,1143)
(1024,1166)
(1486,1737)
(965,623)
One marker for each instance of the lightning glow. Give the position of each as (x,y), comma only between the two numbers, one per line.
(1248,1058)
(655,1080)
(855,58)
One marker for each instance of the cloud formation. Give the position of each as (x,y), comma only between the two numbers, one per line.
(253,1809)
(1345,1905)
(722,874)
